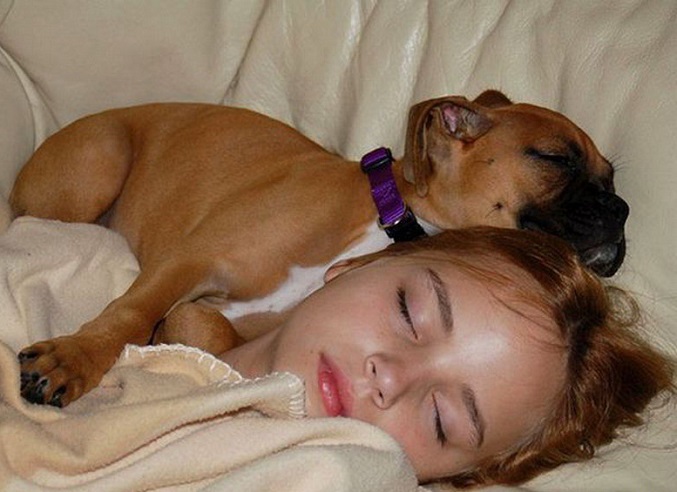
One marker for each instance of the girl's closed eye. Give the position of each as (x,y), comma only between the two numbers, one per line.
(404,310)
(439,429)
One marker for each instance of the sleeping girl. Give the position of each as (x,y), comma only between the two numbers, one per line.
(490,355)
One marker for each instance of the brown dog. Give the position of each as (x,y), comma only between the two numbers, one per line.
(224,204)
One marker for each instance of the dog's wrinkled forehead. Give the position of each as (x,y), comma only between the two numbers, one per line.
(552,149)
(555,139)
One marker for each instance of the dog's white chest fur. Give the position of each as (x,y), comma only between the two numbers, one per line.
(302,281)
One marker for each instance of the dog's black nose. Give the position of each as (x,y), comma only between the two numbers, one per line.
(616,206)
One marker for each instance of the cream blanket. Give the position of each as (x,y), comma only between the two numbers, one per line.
(165,417)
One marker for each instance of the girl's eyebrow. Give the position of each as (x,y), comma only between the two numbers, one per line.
(469,398)
(476,418)
(442,299)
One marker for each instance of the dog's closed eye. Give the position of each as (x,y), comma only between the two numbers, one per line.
(562,160)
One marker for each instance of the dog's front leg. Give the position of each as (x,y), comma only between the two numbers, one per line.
(60,370)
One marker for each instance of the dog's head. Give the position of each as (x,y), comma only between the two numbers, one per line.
(492,162)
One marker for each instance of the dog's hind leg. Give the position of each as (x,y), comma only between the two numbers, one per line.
(77,173)
(200,326)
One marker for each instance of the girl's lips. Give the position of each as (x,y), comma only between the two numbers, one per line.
(334,388)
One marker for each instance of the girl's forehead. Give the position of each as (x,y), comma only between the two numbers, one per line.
(490,269)
(504,285)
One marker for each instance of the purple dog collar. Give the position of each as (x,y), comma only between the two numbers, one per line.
(395,218)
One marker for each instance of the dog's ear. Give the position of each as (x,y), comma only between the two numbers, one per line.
(492,99)
(447,117)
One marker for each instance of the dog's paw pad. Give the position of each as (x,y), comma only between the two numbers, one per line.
(28,378)
(35,392)
(27,355)
(56,399)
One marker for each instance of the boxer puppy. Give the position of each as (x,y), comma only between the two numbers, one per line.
(226,205)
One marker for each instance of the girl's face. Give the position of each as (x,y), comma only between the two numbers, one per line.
(429,354)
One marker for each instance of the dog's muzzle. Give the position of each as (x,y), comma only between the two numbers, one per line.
(591,220)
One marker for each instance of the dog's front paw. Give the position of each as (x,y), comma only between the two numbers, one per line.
(57,371)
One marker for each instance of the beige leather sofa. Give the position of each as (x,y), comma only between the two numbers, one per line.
(345,72)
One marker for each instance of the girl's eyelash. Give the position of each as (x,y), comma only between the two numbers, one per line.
(439,431)
(404,310)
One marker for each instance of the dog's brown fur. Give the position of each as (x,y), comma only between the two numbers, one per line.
(219,203)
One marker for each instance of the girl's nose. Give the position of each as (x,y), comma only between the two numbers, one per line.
(391,377)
